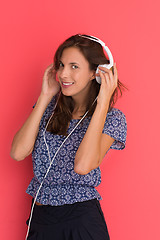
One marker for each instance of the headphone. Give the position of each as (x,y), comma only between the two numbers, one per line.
(98,79)
(108,66)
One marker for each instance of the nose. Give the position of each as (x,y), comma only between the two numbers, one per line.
(63,73)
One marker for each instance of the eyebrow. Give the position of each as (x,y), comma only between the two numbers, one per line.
(70,62)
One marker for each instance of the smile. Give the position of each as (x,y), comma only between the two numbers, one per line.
(67,84)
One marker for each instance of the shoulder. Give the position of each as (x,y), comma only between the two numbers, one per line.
(115,112)
(116,117)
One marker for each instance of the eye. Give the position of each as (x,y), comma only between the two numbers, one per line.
(74,66)
(61,64)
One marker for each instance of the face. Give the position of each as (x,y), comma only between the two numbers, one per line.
(74,74)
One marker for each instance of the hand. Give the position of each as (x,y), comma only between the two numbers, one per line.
(50,87)
(108,84)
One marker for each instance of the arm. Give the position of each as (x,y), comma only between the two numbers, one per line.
(95,144)
(23,141)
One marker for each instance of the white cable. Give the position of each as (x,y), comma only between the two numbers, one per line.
(47,126)
(51,163)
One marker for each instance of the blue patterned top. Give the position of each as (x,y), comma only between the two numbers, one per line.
(62,185)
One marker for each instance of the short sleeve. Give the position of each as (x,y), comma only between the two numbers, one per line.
(116,127)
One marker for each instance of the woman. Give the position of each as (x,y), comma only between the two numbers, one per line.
(66,202)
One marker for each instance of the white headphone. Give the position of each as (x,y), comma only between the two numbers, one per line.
(108,66)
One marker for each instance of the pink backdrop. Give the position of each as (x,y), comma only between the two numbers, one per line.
(30,33)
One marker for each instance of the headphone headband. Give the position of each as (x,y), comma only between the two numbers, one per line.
(93,39)
(103,45)
(108,66)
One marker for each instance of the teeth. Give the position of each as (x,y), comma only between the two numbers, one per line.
(67,83)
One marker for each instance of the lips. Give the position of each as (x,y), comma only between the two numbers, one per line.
(67,84)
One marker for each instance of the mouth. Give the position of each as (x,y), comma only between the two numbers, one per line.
(67,84)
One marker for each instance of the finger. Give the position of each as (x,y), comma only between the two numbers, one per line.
(104,69)
(104,77)
(101,75)
(115,72)
(108,72)
(112,77)
(51,69)
(50,66)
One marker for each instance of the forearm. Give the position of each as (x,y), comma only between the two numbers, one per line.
(24,139)
(88,153)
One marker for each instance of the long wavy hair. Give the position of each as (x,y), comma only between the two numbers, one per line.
(94,54)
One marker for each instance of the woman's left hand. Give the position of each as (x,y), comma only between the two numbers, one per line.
(108,84)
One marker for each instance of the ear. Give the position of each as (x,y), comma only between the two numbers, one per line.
(93,75)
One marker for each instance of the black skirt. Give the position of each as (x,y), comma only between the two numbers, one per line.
(77,221)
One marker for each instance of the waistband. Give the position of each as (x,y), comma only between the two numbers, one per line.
(47,214)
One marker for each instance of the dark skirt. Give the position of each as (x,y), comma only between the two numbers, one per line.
(77,221)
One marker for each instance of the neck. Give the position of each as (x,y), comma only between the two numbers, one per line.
(80,106)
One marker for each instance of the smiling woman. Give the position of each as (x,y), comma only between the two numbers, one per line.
(66,154)
(75,77)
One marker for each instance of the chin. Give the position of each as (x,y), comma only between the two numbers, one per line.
(66,94)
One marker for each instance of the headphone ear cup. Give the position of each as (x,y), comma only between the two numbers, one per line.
(108,66)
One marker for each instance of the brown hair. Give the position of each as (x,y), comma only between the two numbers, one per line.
(94,54)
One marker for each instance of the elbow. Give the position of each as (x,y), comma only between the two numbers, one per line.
(16,155)
(80,169)
(83,169)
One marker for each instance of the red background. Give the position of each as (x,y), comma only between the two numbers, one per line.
(30,33)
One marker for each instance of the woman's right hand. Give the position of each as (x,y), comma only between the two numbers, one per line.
(50,87)
(24,139)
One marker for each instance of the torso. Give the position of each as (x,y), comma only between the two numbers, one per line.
(61,177)
(74,116)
